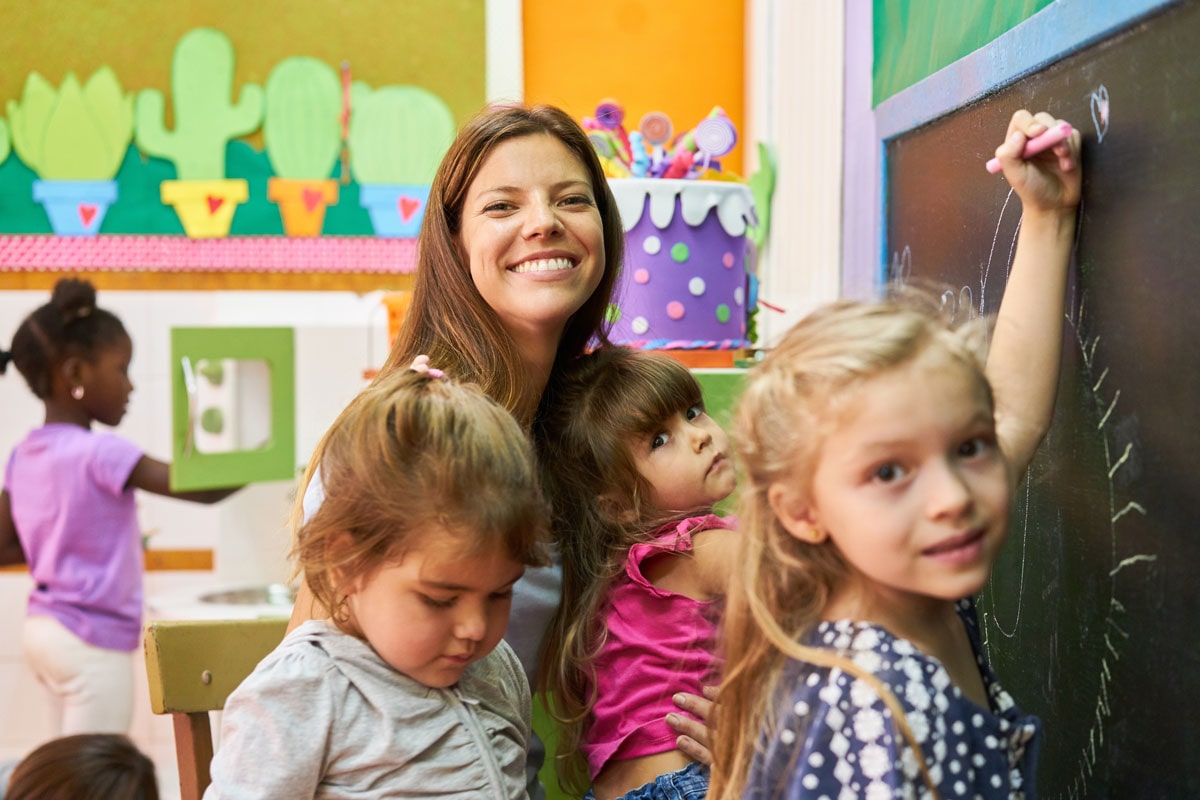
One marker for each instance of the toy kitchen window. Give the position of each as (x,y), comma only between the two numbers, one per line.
(233,402)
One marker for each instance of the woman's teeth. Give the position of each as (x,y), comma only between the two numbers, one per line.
(543,265)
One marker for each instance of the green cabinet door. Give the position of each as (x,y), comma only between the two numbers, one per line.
(233,404)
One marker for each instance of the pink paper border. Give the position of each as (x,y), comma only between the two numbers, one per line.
(232,254)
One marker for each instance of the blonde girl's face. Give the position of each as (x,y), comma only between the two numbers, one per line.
(687,462)
(911,486)
(532,234)
(437,611)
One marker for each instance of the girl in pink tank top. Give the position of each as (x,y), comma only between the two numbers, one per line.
(632,467)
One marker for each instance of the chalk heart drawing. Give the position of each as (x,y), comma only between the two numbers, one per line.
(1100,112)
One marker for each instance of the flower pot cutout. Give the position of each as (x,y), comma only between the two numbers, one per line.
(205,207)
(396,209)
(302,203)
(75,208)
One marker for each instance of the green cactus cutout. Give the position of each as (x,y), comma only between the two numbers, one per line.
(398,134)
(302,126)
(4,146)
(75,132)
(201,85)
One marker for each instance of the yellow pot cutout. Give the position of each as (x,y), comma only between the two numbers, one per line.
(302,203)
(205,207)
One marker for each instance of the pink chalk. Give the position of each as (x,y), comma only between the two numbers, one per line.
(1037,144)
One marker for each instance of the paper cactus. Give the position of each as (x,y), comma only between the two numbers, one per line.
(74,132)
(302,126)
(398,134)
(3,141)
(201,85)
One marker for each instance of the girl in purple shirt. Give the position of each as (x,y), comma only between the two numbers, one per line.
(67,510)
(632,467)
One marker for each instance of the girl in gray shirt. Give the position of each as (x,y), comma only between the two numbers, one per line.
(431,513)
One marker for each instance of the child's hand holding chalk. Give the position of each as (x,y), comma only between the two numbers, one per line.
(1044,141)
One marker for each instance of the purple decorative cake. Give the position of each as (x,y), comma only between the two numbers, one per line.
(684,283)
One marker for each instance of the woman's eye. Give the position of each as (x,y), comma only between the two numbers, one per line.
(695,411)
(505,595)
(497,207)
(434,602)
(659,440)
(577,200)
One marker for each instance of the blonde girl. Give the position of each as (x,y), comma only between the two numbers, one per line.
(431,514)
(633,467)
(879,454)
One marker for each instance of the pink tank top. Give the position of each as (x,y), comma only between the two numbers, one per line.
(658,643)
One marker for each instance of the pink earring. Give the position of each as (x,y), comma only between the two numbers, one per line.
(77,392)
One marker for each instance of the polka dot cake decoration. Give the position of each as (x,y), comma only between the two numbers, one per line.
(684,282)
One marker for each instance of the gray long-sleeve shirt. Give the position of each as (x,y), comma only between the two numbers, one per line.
(323,716)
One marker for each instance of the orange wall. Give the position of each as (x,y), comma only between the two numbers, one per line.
(681,57)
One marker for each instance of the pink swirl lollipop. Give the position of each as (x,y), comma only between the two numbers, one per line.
(656,127)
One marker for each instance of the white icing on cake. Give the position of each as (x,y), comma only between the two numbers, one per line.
(733,201)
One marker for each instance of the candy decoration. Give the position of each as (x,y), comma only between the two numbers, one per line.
(610,114)
(603,143)
(714,137)
(640,163)
(656,127)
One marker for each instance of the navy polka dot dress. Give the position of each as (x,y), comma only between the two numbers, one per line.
(834,738)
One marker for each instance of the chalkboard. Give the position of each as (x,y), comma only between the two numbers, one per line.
(1092,616)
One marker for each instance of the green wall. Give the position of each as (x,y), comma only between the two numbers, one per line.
(916,38)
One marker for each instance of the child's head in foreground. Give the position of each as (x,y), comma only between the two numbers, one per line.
(86,766)
(873,485)
(432,511)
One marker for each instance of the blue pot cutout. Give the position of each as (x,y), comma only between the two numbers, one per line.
(75,208)
(396,209)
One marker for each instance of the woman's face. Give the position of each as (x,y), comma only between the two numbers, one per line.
(532,234)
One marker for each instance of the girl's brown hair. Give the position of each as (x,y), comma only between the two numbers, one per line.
(86,766)
(593,414)
(781,585)
(414,455)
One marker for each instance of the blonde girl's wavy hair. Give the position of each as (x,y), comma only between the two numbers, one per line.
(793,401)
(602,405)
(413,457)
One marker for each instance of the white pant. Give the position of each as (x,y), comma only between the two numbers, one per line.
(91,688)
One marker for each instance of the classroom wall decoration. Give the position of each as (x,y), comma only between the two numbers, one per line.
(1090,616)
(300,163)
(915,38)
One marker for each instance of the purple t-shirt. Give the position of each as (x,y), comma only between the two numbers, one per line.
(77,523)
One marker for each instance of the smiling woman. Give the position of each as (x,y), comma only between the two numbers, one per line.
(533,236)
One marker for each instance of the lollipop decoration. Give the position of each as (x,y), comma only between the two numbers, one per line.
(714,137)
(656,129)
(653,150)
(611,114)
